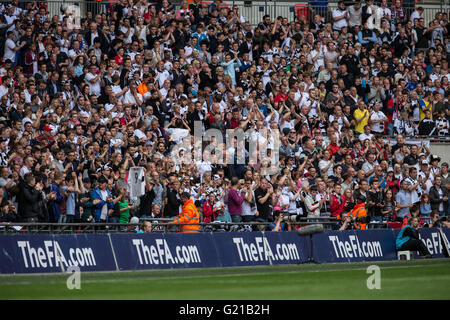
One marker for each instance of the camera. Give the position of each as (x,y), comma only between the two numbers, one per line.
(290,218)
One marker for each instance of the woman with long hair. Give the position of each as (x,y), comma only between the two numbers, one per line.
(78,65)
(388,205)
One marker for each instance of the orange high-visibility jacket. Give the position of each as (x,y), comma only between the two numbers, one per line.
(359,210)
(142,88)
(189,214)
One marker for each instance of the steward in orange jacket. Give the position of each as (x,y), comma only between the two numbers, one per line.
(189,214)
(359,212)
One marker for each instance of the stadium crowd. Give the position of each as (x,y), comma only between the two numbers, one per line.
(83,104)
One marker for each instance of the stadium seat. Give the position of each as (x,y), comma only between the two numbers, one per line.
(405,255)
(394,225)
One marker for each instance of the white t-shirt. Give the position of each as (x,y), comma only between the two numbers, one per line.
(104,213)
(384,12)
(125,30)
(129,98)
(320,59)
(94,87)
(323,164)
(364,136)
(379,126)
(139,134)
(136,182)
(9,50)
(338,25)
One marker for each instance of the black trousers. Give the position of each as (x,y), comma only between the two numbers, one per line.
(415,245)
(248,218)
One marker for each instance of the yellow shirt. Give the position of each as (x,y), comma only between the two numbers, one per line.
(428,106)
(359,127)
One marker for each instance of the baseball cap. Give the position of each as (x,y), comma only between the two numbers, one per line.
(47,128)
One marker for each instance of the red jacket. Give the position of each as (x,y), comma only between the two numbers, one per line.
(337,204)
(209,215)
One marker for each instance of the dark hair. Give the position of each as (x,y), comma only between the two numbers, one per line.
(28,177)
(185,195)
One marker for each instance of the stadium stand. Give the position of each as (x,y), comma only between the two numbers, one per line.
(116,114)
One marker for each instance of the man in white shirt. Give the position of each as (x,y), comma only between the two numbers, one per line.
(384,12)
(355,13)
(316,56)
(132,96)
(127,30)
(340,16)
(366,134)
(94,80)
(11,48)
(377,119)
(414,185)
(165,89)
(417,14)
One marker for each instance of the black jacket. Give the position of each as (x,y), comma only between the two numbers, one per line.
(173,204)
(145,208)
(104,46)
(435,200)
(29,200)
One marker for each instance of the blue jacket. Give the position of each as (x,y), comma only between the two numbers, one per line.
(57,201)
(229,68)
(401,238)
(373,38)
(97,195)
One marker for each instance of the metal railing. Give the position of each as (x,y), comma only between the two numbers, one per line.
(161,225)
(253,11)
(158,225)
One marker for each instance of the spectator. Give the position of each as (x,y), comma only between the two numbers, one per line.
(128,87)
(29,198)
(146,227)
(389,205)
(209,215)
(439,197)
(403,200)
(102,200)
(86,199)
(338,201)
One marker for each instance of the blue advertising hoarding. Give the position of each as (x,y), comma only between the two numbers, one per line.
(258,248)
(354,246)
(55,253)
(164,251)
(109,252)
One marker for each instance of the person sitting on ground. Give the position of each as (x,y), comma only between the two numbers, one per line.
(408,239)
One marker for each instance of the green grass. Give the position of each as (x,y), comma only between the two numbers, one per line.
(417,279)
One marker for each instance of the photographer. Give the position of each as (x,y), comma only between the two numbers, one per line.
(344,223)
(438,222)
(278,224)
(8,212)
